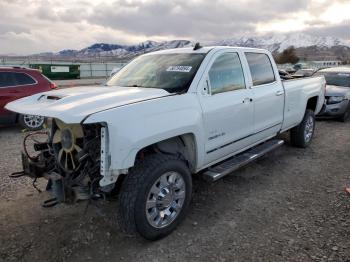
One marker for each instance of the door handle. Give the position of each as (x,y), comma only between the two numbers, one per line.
(247,99)
(279,93)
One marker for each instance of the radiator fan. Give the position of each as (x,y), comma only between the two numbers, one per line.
(67,143)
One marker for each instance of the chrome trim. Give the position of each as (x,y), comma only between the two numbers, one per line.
(165,199)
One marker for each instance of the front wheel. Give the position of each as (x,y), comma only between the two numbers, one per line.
(31,122)
(302,134)
(155,196)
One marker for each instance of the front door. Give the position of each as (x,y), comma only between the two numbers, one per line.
(227,107)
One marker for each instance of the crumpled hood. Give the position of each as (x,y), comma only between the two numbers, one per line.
(72,105)
(337,91)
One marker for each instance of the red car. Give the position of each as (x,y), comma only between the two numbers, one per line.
(15,83)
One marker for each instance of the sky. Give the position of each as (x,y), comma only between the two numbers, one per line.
(33,26)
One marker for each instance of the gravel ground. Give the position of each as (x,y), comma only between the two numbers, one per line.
(288,206)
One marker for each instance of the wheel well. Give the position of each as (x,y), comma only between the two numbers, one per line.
(184,146)
(312,103)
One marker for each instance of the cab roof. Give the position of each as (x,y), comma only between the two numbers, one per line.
(203,50)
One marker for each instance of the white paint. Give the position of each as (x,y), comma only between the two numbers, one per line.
(139,117)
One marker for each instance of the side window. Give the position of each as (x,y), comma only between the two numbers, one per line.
(23,79)
(260,68)
(226,74)
(6,80)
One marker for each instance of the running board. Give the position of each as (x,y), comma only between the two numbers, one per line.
(224,168)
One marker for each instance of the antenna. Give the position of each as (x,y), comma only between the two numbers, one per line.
(197,46)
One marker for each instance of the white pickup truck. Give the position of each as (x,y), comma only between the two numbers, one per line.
(162,118)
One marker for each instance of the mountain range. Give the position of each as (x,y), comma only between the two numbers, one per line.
(103,49)
(304,43)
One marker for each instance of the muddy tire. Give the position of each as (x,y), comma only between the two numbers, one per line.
(155,196)
(301,135)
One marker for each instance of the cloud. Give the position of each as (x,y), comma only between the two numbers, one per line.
(340,30)
(30,26)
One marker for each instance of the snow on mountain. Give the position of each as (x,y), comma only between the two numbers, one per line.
(103,49)
(280,42)
(274,43)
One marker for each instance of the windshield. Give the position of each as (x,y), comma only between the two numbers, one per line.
(336,79)
(171,72)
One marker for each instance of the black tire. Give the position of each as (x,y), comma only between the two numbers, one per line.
(297,134)
(23,123)
(135,189)
(345,116)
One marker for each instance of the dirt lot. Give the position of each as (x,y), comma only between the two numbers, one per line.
(288,206)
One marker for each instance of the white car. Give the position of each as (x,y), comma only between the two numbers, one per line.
(166,116)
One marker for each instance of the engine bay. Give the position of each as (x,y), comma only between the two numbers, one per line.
(68,156)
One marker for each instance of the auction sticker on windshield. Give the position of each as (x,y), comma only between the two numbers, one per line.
(184,69)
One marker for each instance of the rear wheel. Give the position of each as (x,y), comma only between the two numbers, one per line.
(155,196)
(302,134)
(31,122)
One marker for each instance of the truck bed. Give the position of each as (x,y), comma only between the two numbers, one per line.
(296,91)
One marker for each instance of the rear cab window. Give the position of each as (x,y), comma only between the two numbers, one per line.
(260,68)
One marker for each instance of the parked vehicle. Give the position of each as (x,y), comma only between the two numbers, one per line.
(337,93)
(290,70)
(306,72)
(15,83)
(164,116)
(285,75)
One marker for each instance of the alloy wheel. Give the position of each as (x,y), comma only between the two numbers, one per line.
(309,129)
(33,122)
(165,199)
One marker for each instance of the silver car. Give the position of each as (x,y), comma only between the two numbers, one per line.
(337,103)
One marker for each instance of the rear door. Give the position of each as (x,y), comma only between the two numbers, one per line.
(227,106)
(268,95)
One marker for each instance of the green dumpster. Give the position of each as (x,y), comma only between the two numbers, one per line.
(58,71)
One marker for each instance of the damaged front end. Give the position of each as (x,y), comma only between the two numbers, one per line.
(69,158)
